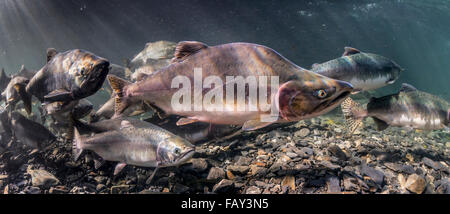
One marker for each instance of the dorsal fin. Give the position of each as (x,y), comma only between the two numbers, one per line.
(51,52)
(350,51)
(314,65)
(407,88)
(186,48)
(2,73)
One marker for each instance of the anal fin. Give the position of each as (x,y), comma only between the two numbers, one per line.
(59,95)
(119,168)
(381,125)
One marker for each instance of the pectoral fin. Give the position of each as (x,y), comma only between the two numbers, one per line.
(119,168)
(254,125)
(381,125)
(58,95)
(185,121)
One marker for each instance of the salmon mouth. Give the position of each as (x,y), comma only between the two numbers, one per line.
(186,156)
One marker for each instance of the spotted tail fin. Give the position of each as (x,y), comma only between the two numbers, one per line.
(353,114)
(118,84)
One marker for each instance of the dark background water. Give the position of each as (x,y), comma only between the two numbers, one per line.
(415,34)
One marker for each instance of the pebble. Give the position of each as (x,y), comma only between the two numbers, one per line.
(288,181)
(333,185)
(253,190)
(239,169)
(337,152)
(198,165)
(376,175)
(42,178)
(224,186)
(408,169)
(432,164)
(415,183)
(216,173)
(302,133)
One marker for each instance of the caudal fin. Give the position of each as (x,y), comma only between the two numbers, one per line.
(118,84)
(353,114)
(76,145)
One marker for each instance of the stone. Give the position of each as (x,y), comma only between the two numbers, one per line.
(408,169)
(351,184)
(337,152)
(100,187)
(239,169)
(198,165)
(432,164)
(243,161)
(180,188)
(257,171)
(302,133)
(415,183)
(224,186)
(216,174)
(253,190)
(329,165)
(58,190)
(376,175)
(333,185)
(100,179)
(120,189)
(288,181)
(42,178)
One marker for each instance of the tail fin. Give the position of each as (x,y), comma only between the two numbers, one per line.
(76,145)
(353,114)
(118,84)
(26,97)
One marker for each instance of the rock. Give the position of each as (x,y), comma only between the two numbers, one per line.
(333,185)
(239,169)
(291,155)
(257,171)
(224,186)
(216,174)
(408,169)
(288,181)
(243,161)
(253,190)
(306,152)
(32,190)
(198,165)
(230,175)
(100,179)
(415,183)
(351,184)
(337,152)
(432,164)
(100,187)
(401,180)
(3,177)
(120,189)
(58,190)
(179,188)
(329,165)
(42,178)
(376,175)
(302,133)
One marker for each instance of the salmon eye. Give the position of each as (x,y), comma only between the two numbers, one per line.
(321,93)
(177,151)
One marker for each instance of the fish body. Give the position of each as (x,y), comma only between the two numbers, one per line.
(365,71)
(409,108)
(137,143)
(30,132)
(297,95)
(153,57)
(15,92)
(69,76)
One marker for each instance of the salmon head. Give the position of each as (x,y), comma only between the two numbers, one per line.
(310,96)
(88,72)
(174,151)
